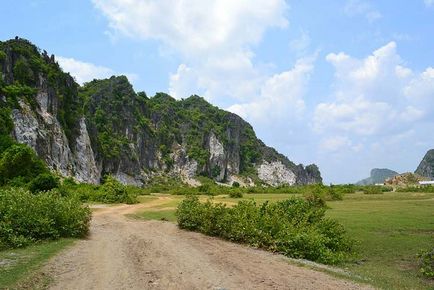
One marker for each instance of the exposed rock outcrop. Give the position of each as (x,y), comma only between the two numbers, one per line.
(405,179)
(183,166)
(275,173)
(217,158)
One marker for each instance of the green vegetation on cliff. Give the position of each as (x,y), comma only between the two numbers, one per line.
(24,69)
(111,105)
(130,133)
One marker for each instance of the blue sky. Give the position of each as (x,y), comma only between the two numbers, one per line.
(348,85)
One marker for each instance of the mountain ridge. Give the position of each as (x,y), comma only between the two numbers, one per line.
(105,127)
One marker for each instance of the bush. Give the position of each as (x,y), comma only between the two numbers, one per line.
(26,218)
(44,182)
(204,189)
(236,194)
(429,189)
(294,227)
(112,191)
(235,184)
(372,190)
(426,263)
(20,161)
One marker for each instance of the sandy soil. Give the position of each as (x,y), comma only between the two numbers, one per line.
(129,254)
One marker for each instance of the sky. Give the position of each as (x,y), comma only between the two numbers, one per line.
(345,84)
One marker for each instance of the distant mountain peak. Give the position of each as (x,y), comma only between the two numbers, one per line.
(378,175)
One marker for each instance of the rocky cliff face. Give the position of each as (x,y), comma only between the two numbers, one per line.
(105,127)
(378,175)
(426,166)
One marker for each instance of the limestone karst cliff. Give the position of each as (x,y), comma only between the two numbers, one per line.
(426,166)
(105,127)
(378,175)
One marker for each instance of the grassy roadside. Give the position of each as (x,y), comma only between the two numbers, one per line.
(19,264)
(391,227)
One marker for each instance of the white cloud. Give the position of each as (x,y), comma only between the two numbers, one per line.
(376,95)
(359,116)
(183,82)
(300,44)
(195,26)
(282,94)
(336,143)
(421,88)
(85,71)
(363,8)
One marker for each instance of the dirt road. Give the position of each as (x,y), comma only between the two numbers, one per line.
(129,254)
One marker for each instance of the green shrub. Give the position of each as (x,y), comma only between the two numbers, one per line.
(428,188)
(204,189)
(335,193)
(44,182)
(26,218)
(372,190)
(6,123)
(19,160)
(236,194)
(235,184)
(5,142)
(426,263)
(2,56)
(295,227)
(112,191)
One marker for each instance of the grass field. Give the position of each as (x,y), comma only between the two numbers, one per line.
(18,264)
(391,229)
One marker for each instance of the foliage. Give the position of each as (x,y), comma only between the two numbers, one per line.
(6,126)
(22,71)
(28,65)
(20,161)
(2,56)
(44,182)
(427,188)
(294,227)
(26,218)
(372,189)
(6,141)
(109,107)
(112,191)
(236,194)
(6,123)
(235,184)
(426,263)
(209,187)
(16,91)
